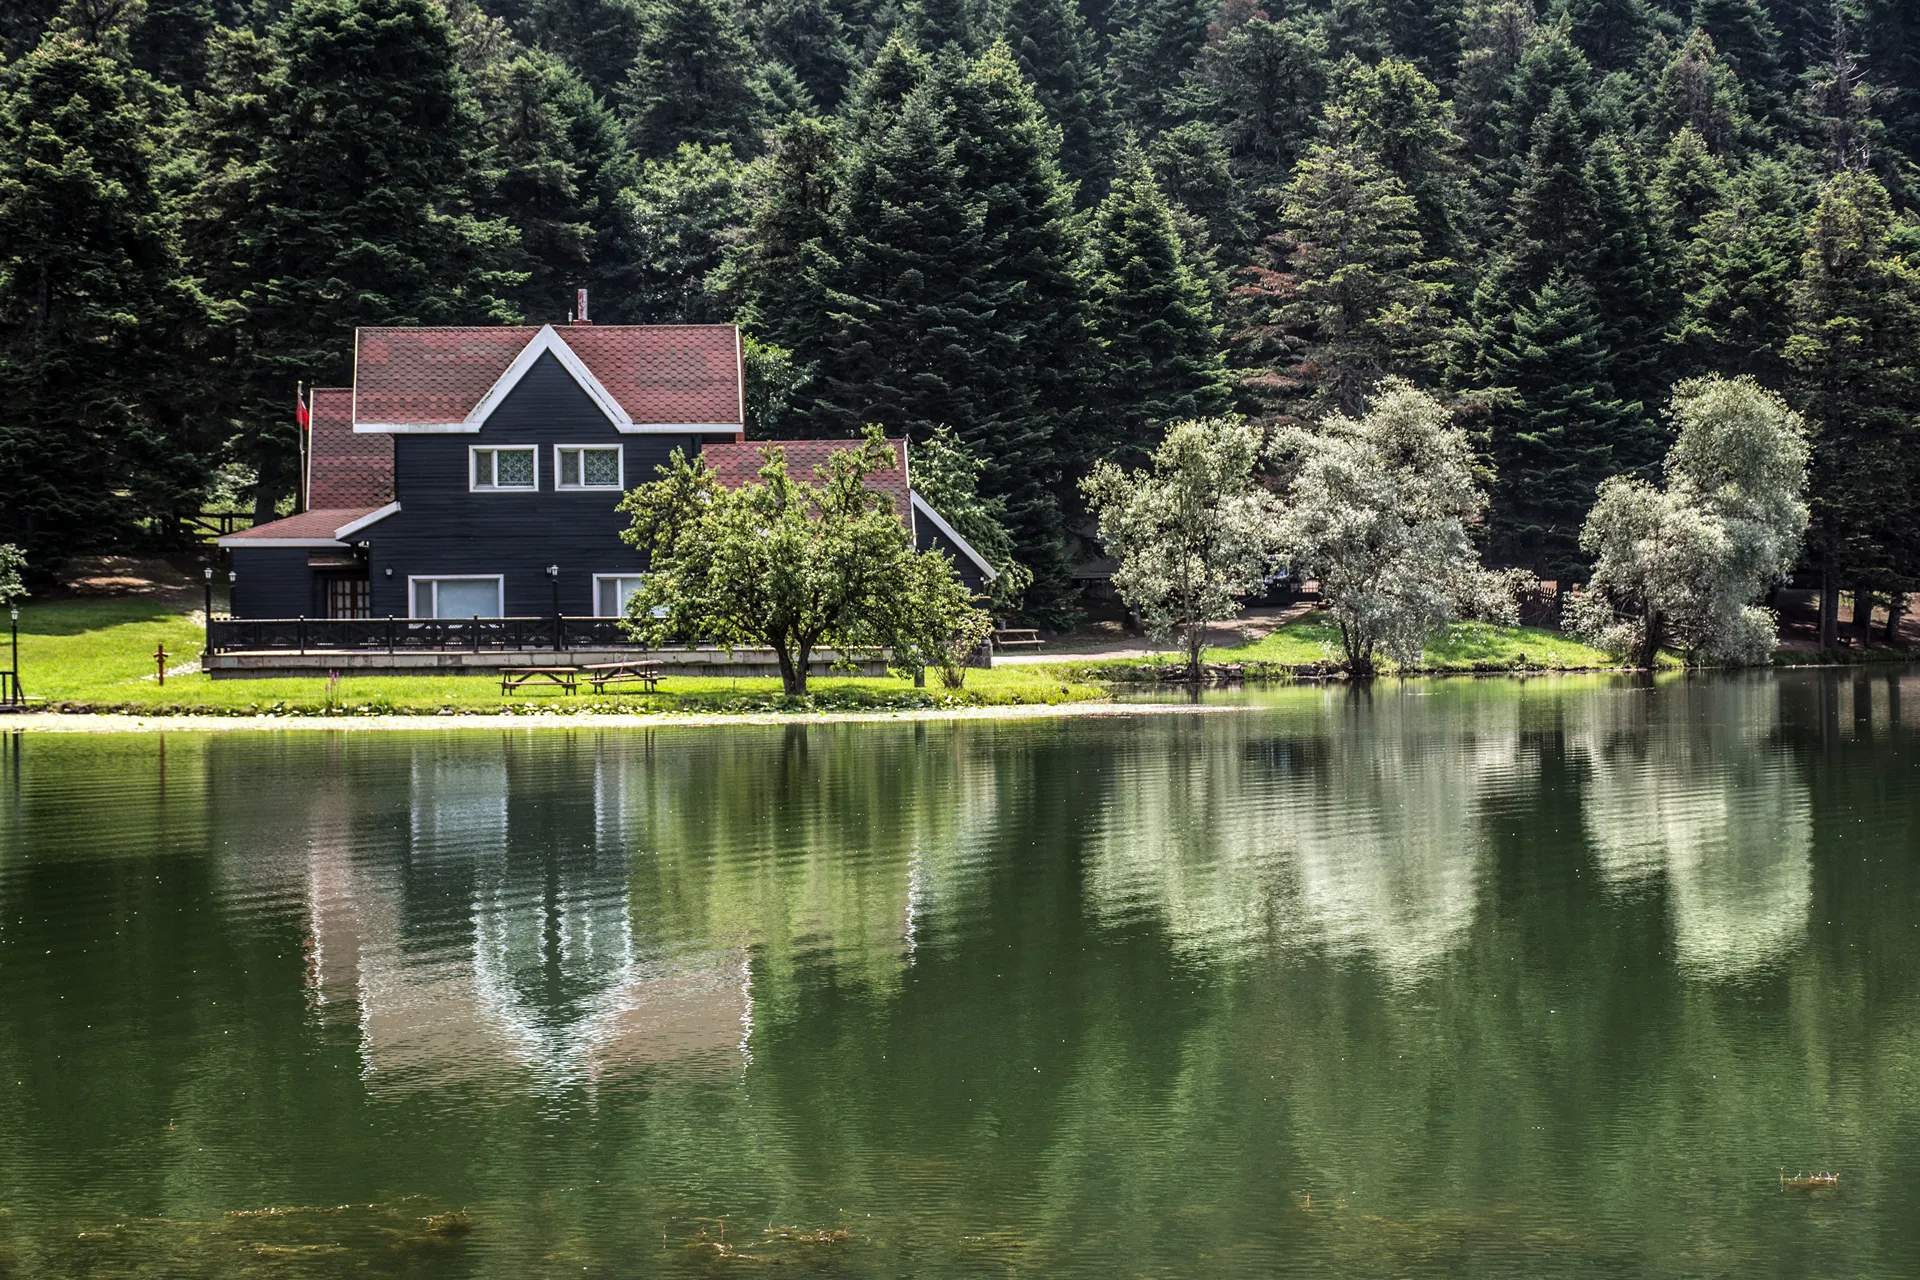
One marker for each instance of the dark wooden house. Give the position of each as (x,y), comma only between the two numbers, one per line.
(475,472)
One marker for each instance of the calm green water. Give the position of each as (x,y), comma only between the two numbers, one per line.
(1477,978)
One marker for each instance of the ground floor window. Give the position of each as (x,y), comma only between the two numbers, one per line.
(611,591)
(346,595)
(457,597)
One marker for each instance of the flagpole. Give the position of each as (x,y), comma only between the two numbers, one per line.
(300,418)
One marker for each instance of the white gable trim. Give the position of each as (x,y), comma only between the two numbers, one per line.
(920,507)
(355,526)
(547,341)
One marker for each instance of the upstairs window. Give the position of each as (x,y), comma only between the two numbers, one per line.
(508,469)
(588,466)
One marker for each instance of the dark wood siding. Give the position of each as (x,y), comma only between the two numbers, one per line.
(442,529)
(928,537)
(272,582)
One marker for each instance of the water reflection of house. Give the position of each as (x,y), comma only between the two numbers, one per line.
(501,937)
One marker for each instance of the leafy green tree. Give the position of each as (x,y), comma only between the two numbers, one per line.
(1365,299)
(13,575)
(1058,55)
(100,321)
(795,565)
(1159,357)
(1739,314)
(947,474)
(1194,532)
(1558,430)
(680,217)
(773,382)
(931,621)
(1380,509)
(1856,314)
(692,79)
(1682,564)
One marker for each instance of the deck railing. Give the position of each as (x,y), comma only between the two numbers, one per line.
(401,635)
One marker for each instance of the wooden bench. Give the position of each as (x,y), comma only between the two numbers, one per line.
(1016,638)
(514,677)
(602,674)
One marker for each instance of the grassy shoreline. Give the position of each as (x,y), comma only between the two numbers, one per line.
(94,657)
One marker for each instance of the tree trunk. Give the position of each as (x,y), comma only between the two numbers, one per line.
(1896,610)
(1648,653)
(1829,608)
(793,680)
(1862,614)
(1196,636)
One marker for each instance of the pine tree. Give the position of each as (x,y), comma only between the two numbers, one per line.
(99,320)
(1856,325)
(777,271)
(1551,70)
(810,37)
(1495,37)
(1261,83)
(1612,33)
(357,206)
(1631,274)
(1057,53)
(1745,35)
(1194,171)
(1691,184)
(1160,347)
(1552,222)
(1008,155)
(1365,299)
(1739,313)
(1154,43)
(1556,433)
(941,26)
(542,191)
(597,38)
(692,79)
(895,72)
(1699,91)
(681,215)
(1400,116)
(909,325)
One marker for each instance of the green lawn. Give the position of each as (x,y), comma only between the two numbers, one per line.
(97,655)
(1311,645)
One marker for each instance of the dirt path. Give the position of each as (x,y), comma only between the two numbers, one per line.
(1111,640)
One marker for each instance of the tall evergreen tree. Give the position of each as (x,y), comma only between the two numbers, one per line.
(358,207)
(1856,326)
(1400,116)
(1154,43)
(811,38)
(597,38)
(1612,33)
(99,319)
(681,216)
(1160,353)
(543,190)
(1058,54)
(778,270)
(1365,299)
(895,72)
(1556,432)
(1738,314)
(1697,90)
(693,79)
(1745,35)
(1631,272)
(1262,84)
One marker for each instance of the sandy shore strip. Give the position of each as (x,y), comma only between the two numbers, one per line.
(69,722)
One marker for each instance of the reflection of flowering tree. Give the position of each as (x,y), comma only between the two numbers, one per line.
(1688,785)
(1352,826)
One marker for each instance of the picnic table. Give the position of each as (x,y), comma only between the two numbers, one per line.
(1016,638)
(602,674)
(514,677)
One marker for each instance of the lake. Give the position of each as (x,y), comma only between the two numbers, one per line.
(1475,977)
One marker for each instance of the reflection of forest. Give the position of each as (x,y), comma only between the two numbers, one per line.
(1460,978)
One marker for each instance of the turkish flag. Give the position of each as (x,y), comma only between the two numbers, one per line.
(300,414)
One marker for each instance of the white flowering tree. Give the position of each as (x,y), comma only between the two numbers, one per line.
(1380,509)
(1683,565)
(1193,532)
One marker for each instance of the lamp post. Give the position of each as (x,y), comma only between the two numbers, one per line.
(207,573)
(553,576)
(13,614)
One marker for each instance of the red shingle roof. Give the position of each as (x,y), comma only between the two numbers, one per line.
(346,470)
(666,374)
(314,525)
(736,462)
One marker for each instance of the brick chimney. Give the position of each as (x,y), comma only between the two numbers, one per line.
(580,307)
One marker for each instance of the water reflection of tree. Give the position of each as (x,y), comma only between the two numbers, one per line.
(1696,787)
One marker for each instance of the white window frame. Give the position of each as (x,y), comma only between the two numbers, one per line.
(599,578)
(619,485)
(499,581)
(532,450)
